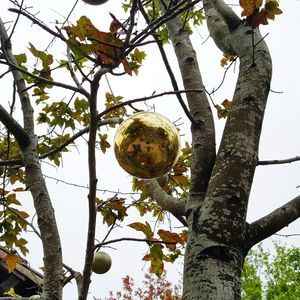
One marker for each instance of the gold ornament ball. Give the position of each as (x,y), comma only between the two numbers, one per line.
(147,145)
(101,262)
(95,2)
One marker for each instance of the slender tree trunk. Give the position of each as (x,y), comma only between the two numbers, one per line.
(53,278)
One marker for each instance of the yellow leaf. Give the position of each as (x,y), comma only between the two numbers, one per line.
(11,261)
(11,292)
(23,214)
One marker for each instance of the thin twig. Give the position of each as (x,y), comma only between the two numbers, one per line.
(278,161)
(148,241)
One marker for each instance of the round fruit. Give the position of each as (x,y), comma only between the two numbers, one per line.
(95,2)
(147,145)
(101,262)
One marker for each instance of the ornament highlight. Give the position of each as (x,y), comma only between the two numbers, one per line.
(147,145)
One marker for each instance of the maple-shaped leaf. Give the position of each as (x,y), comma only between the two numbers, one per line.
(104,144)
(170,237)
(86,39)
(269,12)
(223,111)
(145,228)
(11,261)
(250,7)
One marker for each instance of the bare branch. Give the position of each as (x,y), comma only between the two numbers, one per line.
(16,162)
(174,205)
(272,223)
(90,243)
(221,21)
(203,131)
(15,128)
(168,67)
(13,66)
(278,161)
(79,134)
(128,102)
(148,241)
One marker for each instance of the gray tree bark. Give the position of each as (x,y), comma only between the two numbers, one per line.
(25,135)
(216,211)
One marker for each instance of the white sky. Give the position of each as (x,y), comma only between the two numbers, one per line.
(273,185)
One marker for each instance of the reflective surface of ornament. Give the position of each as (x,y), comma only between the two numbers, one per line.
(147,145)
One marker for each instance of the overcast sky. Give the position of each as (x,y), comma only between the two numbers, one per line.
(280,139)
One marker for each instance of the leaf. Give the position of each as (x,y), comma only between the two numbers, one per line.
(11,261)
(11,292)
(223,111)
(104,144)
(250,6)
(112,210)
(180,180)
(23,214)
(86,39)
(47,59)
(11,199)
(269,12)
(145,228)
(170,237)
(156,258)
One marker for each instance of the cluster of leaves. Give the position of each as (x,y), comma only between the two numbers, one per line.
(260,14)
(169,240)
(226,59)
(112,210)
(275,277)
(85,40)
(12,223)
(223,109)
(110,102)
(44,71)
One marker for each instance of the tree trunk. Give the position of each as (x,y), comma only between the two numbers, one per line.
(215,251)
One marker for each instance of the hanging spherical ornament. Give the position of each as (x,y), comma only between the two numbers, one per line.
(95,2)
(147,145)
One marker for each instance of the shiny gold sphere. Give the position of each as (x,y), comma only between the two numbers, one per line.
(147,145)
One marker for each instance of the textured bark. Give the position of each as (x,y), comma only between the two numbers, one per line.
(218,227)
(273,222)
(174,205)
(203,132)
(53,279)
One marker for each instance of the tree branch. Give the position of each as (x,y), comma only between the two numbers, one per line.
(79,134)
(15,128)
(272,223)
(168,67)
(128,102)
(176,206)
(14,66)
(52,288)
(148,241)
(278,161)
(89,255)
(221,21)
(203,132)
